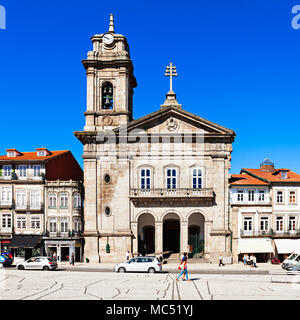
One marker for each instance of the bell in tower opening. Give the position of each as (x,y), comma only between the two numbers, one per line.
(107,96)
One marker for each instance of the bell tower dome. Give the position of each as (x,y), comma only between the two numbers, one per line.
(110,81)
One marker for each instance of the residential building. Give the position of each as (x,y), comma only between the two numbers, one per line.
(265,212)
(157,183)
(23,177)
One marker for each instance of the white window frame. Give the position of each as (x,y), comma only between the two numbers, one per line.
(261,195)
(7,170)
(294,197)
(197,178)
(264,224)
(21,199)
(172,180)
(6,222)
(240,196)
(36,170)
(21,223)
(292,222)
(279,197)
(11,154)
(64,226)
(145,179)
(35,222)
(41,153)
(6,195)
(248,224)
(35,199)
(53,226)
(22,169)
(77,225)
(251,195)
(279,224)
(76,200)
(64,199)
(52,197)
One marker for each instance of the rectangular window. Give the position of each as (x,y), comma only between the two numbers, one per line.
(41,153)
(77,225)
(292,223)
(248,224)
(171,178)
(197,178)
(22,171)
(36,171)
(21,222)
(6,195)
(145,179)
(292,196)
(240,196)
(35,199)
(279,224)
(64,227)
(21,199)
(35,222)
(279,197)
(251,195)
(6,221)
(261,195)
(264,224)
(7,171)
(53,226)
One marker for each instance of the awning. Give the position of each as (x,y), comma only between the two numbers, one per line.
(25,241)
(287,245)
(255,245)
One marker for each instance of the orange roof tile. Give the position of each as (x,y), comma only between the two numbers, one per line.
(245,179)
(274,176)
(32,156)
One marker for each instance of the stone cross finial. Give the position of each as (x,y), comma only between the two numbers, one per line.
(171,72)
(111,24)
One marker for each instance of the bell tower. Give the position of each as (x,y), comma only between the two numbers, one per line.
(110,81)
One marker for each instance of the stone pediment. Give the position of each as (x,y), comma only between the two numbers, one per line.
(172,120)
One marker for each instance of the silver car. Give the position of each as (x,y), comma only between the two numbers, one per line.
(37,263)
(139,264)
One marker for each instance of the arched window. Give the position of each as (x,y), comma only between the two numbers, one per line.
(77,200)
(64,200)
(145,179)
(52,200)
(197,178)
(107,96)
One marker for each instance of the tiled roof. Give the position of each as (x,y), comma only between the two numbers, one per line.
(32,156)
(274,176)
(245,179)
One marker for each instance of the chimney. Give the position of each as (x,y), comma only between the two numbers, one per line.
(267,166)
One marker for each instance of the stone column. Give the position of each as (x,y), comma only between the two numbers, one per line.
(134,229)
(158,237)
(184,236)
(207,238)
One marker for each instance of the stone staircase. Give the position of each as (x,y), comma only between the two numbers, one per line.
(174,258)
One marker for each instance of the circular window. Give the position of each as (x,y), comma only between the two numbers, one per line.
(107,211)
(107,178)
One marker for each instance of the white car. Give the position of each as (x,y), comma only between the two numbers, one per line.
(37,263)
(139,264)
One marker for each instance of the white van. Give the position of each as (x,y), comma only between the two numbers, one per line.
(292,260)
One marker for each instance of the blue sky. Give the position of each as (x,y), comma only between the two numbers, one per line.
(238,65)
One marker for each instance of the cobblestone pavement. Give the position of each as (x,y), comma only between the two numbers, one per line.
(68,285)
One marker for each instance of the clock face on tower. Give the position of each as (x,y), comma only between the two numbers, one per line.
(108,39)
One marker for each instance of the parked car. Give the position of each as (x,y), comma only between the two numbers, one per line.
(294,268)
(38,263)
(140,264)
(6,260)
(292,260)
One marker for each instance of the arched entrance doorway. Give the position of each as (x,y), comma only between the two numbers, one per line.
(171,233)
(196,233)
(146,234)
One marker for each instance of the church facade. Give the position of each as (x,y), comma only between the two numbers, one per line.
(155,184)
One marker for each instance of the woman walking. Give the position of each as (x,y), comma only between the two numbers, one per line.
(183,267)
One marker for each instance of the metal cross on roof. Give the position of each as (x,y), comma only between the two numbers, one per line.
(171,72)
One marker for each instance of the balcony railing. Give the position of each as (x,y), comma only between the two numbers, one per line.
(28,207)
(60,234)
(172,193)
(271,233)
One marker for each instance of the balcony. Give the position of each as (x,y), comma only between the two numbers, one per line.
(270,233)
(68,234)
(180,193)
(6,205)
(28,208)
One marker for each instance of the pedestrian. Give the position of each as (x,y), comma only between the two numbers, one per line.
(54,256)
(127,255)
(73,259)
(251,260)
(161,258)
(248,259)
(254,261)
(221,261)
(132,255)
(183,267)
(245,259)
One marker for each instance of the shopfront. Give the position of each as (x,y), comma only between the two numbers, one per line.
(284,247)
(25,246)
(4,245)
(63,249)
(262,248)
